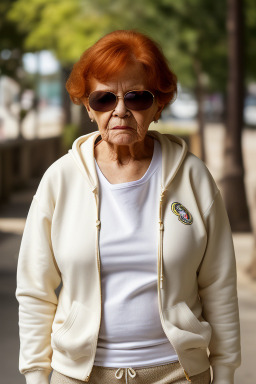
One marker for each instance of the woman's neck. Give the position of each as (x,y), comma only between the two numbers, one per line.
(124,154)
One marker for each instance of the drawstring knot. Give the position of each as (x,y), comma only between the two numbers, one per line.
(161,226)
(127,371)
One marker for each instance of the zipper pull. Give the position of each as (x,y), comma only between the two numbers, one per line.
(187,376)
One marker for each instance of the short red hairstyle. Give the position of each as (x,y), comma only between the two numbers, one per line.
(111,54)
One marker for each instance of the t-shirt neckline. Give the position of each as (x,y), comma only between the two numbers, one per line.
(152,168)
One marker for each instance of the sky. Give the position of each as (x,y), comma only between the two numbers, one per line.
(44,61)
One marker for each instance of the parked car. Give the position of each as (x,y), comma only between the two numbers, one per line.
(184,107)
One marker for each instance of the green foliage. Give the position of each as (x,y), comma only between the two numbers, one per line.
(191,32)
(10,38)
(11,42)
(66,27)
(250,38)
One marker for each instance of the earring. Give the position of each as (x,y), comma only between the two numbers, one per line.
(92,120)
(156,121)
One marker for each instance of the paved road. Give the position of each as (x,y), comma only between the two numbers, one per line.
(12,219)
(247,304)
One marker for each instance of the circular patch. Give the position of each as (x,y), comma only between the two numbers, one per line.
(183,214)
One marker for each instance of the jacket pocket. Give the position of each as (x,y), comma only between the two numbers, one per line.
(74,338)
(184,328)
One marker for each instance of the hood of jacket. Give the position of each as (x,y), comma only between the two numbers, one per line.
(174,148)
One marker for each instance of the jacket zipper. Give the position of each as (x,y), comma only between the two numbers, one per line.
(98,223)
(160,278)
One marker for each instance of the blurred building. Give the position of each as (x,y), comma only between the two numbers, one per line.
(9,94)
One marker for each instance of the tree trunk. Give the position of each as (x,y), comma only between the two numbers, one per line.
(232,183)
(200,102)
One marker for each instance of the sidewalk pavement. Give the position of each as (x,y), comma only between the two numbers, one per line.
(247,305)
(12,220)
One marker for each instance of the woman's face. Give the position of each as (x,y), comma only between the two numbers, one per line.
(122,126)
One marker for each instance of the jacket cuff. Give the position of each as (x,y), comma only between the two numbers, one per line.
(223,374)
(40,376)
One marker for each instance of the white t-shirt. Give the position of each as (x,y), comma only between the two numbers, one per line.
(131,333)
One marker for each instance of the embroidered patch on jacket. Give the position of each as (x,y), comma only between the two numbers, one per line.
(183,214)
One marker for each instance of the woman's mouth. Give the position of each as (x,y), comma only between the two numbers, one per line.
(124,127)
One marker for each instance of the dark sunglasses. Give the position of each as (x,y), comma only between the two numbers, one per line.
(103,101)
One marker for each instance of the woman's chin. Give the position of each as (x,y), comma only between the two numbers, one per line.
(123,137)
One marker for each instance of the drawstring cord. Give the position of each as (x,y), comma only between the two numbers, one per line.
(161,229)
(98,224)
(97,209)
(127,371)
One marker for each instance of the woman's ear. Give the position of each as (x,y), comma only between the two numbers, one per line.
(158,113)
(87,106)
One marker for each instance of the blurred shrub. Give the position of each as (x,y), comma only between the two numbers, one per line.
(69,134)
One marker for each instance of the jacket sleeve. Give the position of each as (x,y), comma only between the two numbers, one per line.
(218,293)
(37,279)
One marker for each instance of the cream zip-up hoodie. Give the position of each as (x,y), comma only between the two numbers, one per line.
(197,294)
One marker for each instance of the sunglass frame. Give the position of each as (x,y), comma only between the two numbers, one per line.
(121,97)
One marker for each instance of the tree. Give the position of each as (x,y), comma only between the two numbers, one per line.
(250,55)
(67,28)
(249,39)
(11,43)
(11,51)
(189,39)
(233,178)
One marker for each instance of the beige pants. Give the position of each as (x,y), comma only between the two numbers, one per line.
(162,374)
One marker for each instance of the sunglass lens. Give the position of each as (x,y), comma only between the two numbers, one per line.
(102,101)
(138,100)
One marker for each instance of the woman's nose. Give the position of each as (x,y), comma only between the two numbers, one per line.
(121,109)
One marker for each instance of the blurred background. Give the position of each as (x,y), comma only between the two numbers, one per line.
(210,45)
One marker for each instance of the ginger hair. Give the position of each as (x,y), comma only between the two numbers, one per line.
(112,54)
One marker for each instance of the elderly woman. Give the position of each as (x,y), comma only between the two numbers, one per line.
(132,229)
